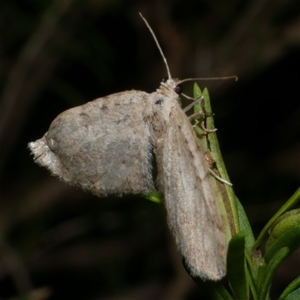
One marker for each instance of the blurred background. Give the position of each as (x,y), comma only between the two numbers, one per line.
(58,242)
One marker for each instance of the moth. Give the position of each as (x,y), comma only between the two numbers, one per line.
(106,146)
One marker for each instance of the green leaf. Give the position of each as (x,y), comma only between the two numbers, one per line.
(198,107)
(250,281)
(288,205)
(197,94)
(154,196)
(261,272)
(224,193)
(213,290)
(294,295)
(289,238)
(245,227)
(292,288)
(274,263)
(236,267)
(220,165)
(249,241)
(285,222)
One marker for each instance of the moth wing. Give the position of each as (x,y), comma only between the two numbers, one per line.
(102,146)
(192,211)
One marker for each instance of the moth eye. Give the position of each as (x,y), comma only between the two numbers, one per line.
(165,79)
(178,89)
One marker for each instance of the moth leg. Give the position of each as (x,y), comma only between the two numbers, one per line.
(210,163)
(202,113)
(197,114)
(202,116)
(218,177)
(195,101)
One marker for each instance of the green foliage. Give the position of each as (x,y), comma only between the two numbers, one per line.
(250,266)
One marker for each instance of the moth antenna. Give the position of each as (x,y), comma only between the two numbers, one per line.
(209,78)
(158,46)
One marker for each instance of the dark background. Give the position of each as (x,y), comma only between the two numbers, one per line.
(58,242)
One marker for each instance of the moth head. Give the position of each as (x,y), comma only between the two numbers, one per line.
(174,84)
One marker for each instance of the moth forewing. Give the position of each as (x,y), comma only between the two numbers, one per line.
(102,146)
(185,182)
